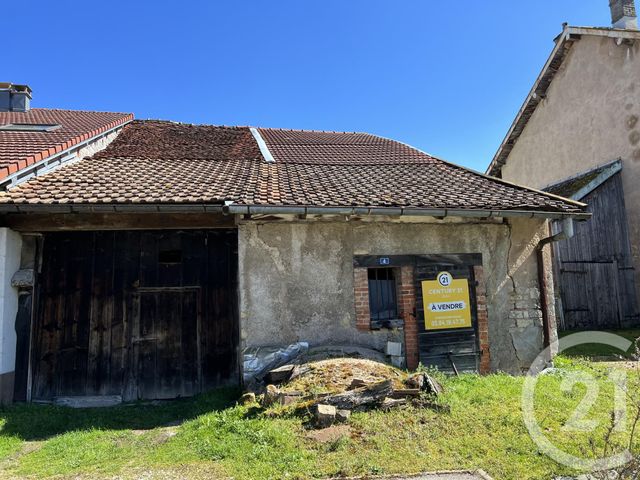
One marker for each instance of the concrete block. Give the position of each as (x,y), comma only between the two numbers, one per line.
(394,348)
(397,361)
(325,415)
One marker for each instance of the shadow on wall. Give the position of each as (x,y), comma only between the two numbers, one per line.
(39,422)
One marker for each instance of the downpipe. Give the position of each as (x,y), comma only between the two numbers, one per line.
(565,233)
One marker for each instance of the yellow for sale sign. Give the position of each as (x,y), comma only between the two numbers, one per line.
(446,302)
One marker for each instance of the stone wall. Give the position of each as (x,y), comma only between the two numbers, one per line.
(297,280)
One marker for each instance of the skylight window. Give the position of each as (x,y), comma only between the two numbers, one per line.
(29,127)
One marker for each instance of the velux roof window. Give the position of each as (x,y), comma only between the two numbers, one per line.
(29,127)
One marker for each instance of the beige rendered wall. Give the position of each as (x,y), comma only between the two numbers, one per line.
(296,280)
(589,117)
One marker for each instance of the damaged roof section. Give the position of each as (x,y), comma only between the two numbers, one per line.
(155,163)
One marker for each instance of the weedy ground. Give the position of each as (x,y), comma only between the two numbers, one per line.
(211,437)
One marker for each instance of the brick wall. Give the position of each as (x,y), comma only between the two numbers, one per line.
(361,292)
(407,306)
(483,320)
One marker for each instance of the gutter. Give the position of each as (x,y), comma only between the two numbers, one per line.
(396,211)
(233,209)
(564,234)
(47,164)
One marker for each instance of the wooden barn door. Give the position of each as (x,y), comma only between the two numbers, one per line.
(594,268)
(142,314)
(166,354)
(594,295)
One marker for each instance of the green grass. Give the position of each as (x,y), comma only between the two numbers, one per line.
(599,350)
(484,429)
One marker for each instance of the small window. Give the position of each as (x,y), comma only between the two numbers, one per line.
(383,303)
(29,127)
(170,256)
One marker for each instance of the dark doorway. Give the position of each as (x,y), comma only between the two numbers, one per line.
(449,350)
(142,314)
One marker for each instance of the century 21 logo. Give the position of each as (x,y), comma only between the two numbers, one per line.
(445,279)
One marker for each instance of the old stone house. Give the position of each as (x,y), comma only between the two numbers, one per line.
(577,135)
(159,260)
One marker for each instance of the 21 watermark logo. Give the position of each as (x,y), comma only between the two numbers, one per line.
(579,421)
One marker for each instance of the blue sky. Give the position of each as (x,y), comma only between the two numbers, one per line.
(444,76)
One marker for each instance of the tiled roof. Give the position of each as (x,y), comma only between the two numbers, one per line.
(20,149)
(584,183)
(163,162)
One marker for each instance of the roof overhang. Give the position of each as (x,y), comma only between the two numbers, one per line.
(230,209)
(600,175)
(564,42)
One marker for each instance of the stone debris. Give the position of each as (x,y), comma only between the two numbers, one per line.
(331,389)
(274,396)
(271,395)
(280,374)
(405,392)
(389,403)
(324,415)
(424,382)
(415,381)
(342,416)
(361,398)
(289,398)
(358,383)
(248,398)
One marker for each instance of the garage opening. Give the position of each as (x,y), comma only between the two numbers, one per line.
(141,314)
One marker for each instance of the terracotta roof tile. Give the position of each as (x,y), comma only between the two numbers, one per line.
(19,149)
(164,162)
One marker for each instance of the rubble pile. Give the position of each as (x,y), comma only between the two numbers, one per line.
(331,389)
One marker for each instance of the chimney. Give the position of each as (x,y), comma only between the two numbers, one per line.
(623,14)
(14,98)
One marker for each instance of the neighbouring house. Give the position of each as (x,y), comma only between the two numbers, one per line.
(33,142)
(577,135)
(160,260)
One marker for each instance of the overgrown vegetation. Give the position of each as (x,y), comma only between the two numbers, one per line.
(483,429)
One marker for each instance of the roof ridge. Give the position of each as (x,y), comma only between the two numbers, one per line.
(314,131)
(40,109)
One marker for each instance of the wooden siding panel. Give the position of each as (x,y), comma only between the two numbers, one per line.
(115,316)
(594,267)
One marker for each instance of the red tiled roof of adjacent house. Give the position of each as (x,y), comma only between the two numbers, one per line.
(155,162)
(19,149)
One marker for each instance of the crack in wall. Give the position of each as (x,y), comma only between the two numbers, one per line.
(509,272)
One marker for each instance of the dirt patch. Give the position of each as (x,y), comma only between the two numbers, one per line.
(621,364)
(329,434)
